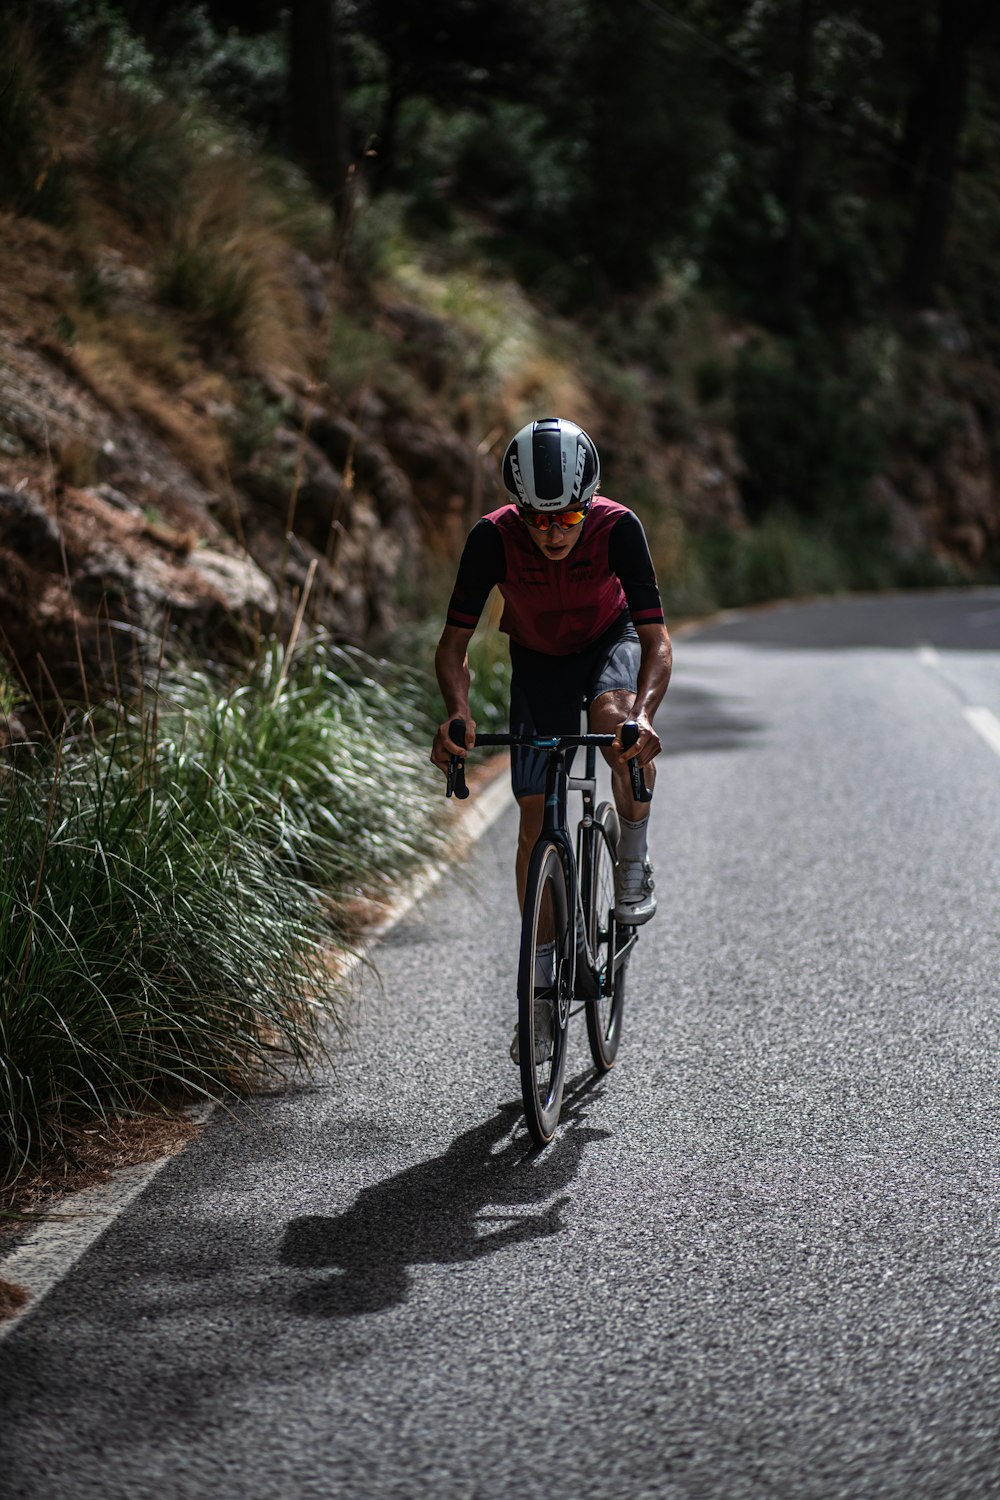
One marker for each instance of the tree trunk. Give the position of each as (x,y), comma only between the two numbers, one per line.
(385,143)
(945,98)
(314,98)
(795,199)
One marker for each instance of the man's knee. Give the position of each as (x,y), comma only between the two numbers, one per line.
(610,710)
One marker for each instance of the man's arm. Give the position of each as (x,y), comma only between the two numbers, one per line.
(654,677)
(628,556)
(451,663)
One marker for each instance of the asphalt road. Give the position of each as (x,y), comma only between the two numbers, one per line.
(759,1260)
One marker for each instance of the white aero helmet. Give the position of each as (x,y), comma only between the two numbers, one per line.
(551,465)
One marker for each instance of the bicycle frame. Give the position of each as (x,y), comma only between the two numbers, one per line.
(555,825)
(555,904)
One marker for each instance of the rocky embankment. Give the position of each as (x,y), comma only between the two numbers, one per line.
(125,512)
(149,481)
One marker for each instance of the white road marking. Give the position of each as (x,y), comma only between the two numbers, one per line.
(50,1250)
(985,723)
(73,1224)
(928,656)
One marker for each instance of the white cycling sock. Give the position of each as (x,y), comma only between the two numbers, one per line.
(633,841)
(545,964)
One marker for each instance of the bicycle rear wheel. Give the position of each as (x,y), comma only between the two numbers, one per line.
(543,1008)
(605,1009)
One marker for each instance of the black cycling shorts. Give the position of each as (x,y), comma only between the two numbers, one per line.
(547,693)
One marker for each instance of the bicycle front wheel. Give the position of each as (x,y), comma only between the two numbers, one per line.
(605,1008)
(544,991)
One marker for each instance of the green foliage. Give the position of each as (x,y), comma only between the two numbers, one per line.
(315,755)
(34,178)
(243,75)
(168,885)
(809,435)
(645,108)
(781,558)
(143,154)
(11,694)
(252,426)
(489,695)
(213,283)
(145,942)
(360,354)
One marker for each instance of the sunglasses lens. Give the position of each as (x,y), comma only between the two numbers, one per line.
(564,518)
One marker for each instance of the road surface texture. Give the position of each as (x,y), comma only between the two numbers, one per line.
(760,1258)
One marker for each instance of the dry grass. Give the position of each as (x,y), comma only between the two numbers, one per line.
(227,266)
(95,1151)
(520,364)
(12,1299)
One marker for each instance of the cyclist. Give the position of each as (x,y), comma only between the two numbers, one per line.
(582,609)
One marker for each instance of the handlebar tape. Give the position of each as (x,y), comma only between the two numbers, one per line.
(640,791)
(456,766)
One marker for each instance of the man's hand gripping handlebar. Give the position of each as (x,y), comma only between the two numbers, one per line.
(629,736)
(456,765)
(456,784)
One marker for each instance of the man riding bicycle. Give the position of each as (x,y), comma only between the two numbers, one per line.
(582,609)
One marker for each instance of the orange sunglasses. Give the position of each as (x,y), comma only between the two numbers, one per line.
(539,521)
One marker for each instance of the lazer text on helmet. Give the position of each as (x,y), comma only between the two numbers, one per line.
(515,469)
(581,461)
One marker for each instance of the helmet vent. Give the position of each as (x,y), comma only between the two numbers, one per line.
(547,461)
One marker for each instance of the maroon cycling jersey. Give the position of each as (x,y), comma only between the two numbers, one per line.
(558,606)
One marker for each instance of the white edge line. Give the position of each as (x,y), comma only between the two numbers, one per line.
(50,1250)
(986,724)
(72,1225)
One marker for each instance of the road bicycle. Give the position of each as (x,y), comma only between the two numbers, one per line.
(569,901)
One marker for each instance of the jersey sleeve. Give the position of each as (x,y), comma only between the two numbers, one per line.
(481,567)
(628,556)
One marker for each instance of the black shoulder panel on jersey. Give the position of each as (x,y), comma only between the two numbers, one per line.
(482,565)
(628,556)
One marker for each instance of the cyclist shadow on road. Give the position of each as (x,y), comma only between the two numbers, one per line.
(471,1201)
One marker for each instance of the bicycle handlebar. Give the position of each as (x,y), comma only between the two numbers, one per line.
(457,787)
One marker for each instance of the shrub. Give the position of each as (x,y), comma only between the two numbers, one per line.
(142,152)
(168,884)
(319,756)
(214,283)
(780,558)
(807,431)
(146,943)
(33,176)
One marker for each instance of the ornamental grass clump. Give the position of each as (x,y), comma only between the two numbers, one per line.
(147,945)
(171,880)
(323,755)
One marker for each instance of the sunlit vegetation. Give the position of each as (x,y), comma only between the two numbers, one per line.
(176,879)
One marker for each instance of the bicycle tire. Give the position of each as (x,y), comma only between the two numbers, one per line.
(542,1081)
(606,1008)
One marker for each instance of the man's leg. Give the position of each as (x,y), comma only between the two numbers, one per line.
(635,900)
(606,713)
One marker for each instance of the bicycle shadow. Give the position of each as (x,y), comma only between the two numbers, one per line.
(434,1212)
